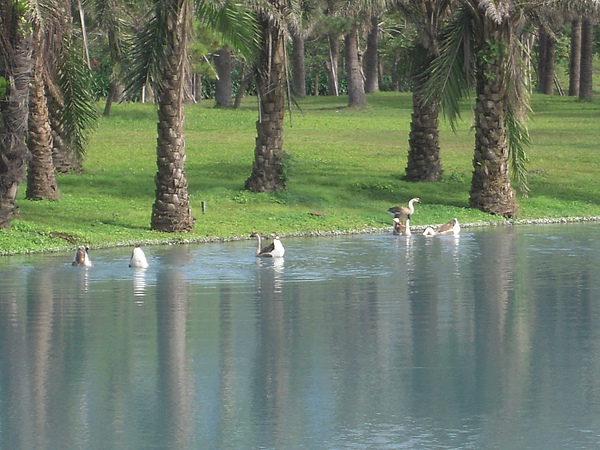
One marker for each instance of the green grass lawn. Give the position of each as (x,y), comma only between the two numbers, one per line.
(347,164)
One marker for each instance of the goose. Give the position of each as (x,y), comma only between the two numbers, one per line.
(401,228)
(403,212)
(138,258)
(275,249)
(82,259)
(449,228)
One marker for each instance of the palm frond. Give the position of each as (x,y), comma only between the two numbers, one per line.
(451,74)
(79,116)
(147,56)
(234,23)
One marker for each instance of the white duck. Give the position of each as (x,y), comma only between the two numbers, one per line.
(451,228)
(82,258)
(401,228)
(274,250)
(138,258)
(403,212)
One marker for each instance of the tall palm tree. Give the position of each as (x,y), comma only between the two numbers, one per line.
(575,56)
(16,65)
(268,169)
(585,67)
(159,58)
(482,48)
(428,17)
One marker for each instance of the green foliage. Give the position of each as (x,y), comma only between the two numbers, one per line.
(3,86)
(79,114)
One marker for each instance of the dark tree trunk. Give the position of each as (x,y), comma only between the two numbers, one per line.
(541,68)
(171,211)
(371,59)
(575,57)
(547,58)
(331,65)
(242,89)
(424,162)
(223,85)
(268,169)
(41,181)
(14,111)
(587,55)
(298,66)
(491,191)
(356,84)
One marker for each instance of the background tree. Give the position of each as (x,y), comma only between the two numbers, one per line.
(268,169)
(586,59)
(575,56)
(160,58)
(15,68)
(428,17)
(482,48)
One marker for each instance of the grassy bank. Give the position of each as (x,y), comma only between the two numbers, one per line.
(347,169)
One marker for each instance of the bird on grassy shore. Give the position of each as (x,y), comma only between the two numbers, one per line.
(138,258)
(404,212)
(401,229)
(451,228)
(82,258)
(274,249)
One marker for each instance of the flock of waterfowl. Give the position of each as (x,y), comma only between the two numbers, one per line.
(401,227)
(401,222)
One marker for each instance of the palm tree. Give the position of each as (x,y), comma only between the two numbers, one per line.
(268,169)
(482,48)
(159,58)
(575,57)
(424,162)
(585,68)
(16,65)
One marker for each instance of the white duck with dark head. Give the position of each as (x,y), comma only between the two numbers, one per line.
(451,228)
(273,250)
(82,258)
(138,258)
(404,212)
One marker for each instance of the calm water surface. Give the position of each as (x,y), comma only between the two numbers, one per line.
(489,340)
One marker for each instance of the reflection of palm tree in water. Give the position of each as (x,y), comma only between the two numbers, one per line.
(174,386)
(272,369)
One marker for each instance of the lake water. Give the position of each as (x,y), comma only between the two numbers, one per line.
(487,340)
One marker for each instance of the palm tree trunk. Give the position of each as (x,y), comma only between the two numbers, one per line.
(298,65)
(268,171)
(587,47)
(356,84)
(490,186)
(16,68)
(171,211)
(223,86)
(372,58)
(547,62)
(424,162)
(41,182)
(575,60)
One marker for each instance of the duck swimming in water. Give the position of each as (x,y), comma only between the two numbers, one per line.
(138,258)
(82,258)
(274,250)
(451,228)
(401,229)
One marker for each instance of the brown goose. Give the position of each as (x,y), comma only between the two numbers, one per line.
(82,259)
(403,212)
(449,228)
(401,228)
(274,250)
